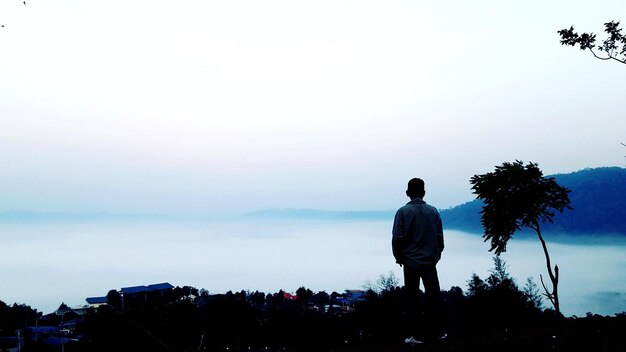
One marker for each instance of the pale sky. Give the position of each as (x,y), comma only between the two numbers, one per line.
(207,107)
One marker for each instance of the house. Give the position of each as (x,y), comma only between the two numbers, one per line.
(350,298)
(289,296)
(140,295)
(95,302)
(355,295)
(133,290)
(165,286)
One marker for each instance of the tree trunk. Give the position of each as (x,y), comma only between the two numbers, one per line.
(554,275)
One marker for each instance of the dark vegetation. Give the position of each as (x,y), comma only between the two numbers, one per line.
(597,199)
(493,314)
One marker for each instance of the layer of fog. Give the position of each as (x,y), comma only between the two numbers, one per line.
(44,264)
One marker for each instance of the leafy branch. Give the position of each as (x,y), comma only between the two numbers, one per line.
(612,48)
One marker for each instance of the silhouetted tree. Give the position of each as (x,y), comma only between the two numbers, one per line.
(304,294)
(476,285)
(321,299)
(257,299)
(384,282)
(532,293)
(388,282)
(496,303)
(16,316)
(515,196)
(114,299)
(499,275)
(613,47)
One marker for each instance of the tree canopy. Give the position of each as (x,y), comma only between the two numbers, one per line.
(515,196)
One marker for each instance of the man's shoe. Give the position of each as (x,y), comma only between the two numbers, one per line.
(412,341)
(443,336)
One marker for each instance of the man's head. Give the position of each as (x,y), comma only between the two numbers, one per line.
(415,188)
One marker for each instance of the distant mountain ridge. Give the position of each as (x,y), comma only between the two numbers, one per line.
(316,214)
(597,195)
(28,215)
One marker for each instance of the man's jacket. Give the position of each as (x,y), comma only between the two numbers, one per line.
(417,234)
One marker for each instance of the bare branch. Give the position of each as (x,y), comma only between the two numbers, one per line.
(547,293)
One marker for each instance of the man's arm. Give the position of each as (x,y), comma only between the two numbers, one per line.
(397,239)
(440,234)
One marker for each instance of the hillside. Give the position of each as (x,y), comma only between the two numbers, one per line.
(598,197)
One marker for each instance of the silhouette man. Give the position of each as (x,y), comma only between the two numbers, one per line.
(417,244)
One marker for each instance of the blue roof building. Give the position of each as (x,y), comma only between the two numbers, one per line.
(96,301)
(140,289)
(135,296)
(161,286)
